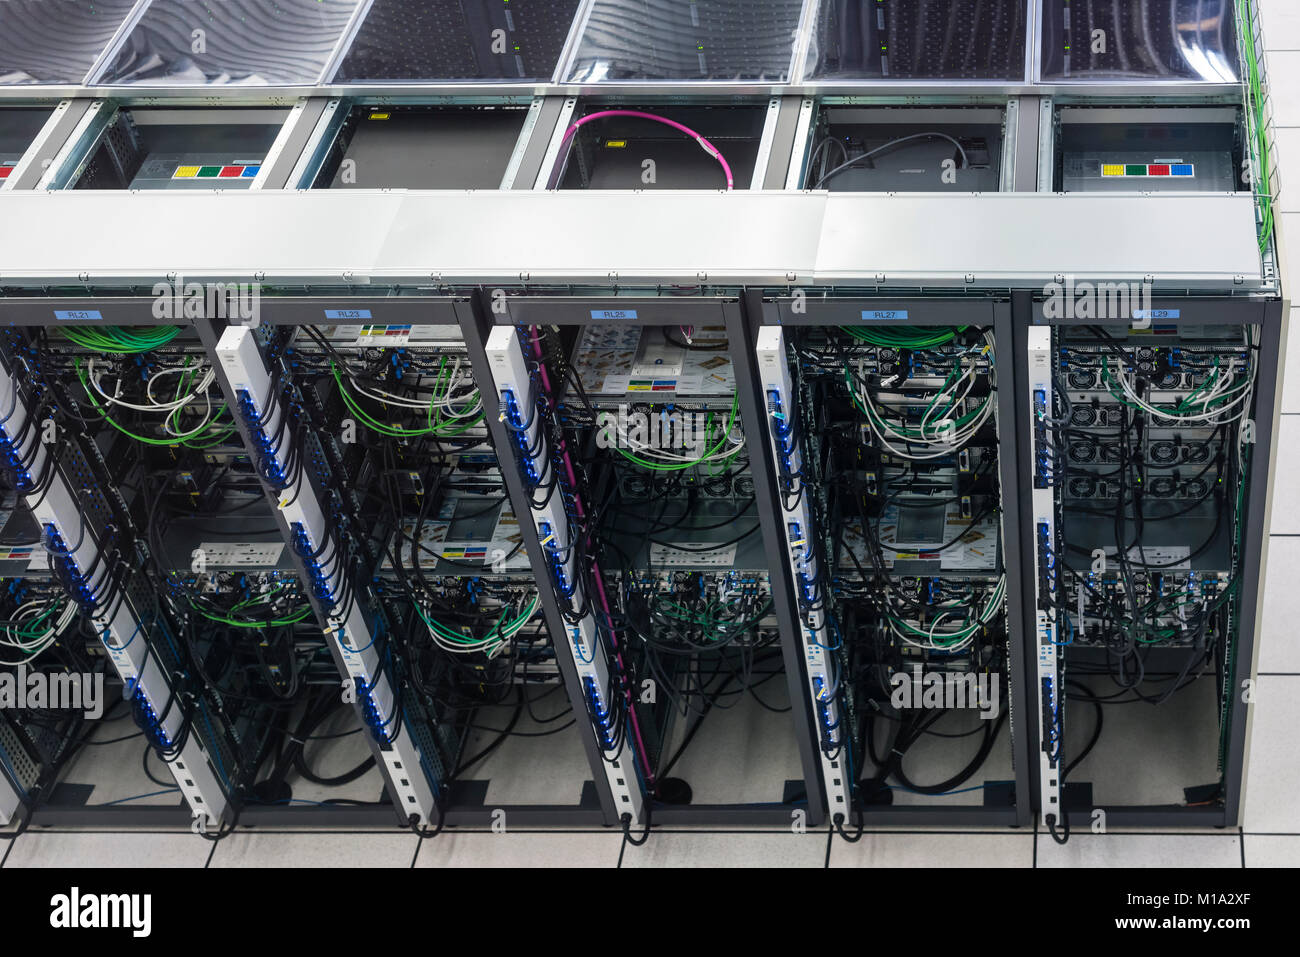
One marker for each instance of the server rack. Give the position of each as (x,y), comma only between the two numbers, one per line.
(1213,798)
(508,311)
(440,313)
(794,109)
(1006,802)
(65,480)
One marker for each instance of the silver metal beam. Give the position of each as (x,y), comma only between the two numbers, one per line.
(996,240)
(210,95)
(49,141)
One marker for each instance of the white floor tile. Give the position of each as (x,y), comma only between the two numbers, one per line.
(1281,24)
(318,849)
(532,849)
(1291,367)
(539,770)
(935,850)
(1279,640)
(99,849)
(1287,150)
(1286,491)
(1273,777)
(1288,225)
(1085,849)
(730,850)
(1284,75)
(1272,850)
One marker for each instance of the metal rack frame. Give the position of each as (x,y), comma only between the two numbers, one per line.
(437,256)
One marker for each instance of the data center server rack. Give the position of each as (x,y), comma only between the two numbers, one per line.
(628,327)
(1145,463)
(1072,95)
(854,461)
(309,335)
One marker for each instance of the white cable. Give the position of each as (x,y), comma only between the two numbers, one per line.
(202,387)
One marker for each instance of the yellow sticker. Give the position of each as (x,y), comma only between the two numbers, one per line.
(185,172)
(615,144)
(1112,169)
(379,116)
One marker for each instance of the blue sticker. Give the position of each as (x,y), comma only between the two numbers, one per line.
(884,313)
(343,315)
(77,314)
(613,313)
(1157,313)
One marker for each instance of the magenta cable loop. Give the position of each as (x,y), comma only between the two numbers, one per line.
(637,114)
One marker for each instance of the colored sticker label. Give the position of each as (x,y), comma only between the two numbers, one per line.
(884,313)
(77,314)
(613,313)
(343,315)
(1148,169)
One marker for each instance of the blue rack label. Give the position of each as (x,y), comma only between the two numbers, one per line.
(344,315)
(884,313)
(613,314)
(1157,313)
(77,314)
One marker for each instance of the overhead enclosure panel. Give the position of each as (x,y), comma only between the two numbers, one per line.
(918,40)
(230,42)
(55,41)
(1102,40)
(409,41)
(625,238)
(690,40)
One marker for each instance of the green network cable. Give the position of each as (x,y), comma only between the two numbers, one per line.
(502,630)
(291,619)
(1255,106)
(436,425)
(903,337)
(178,440)
(117,339)
(721,463)
(707,620)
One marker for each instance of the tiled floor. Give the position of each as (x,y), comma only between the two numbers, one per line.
(1270,836)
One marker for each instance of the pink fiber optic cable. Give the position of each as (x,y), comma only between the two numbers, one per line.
(637,114)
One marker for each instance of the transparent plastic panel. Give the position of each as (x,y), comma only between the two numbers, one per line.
(721,40)
(919,40)
(55,41)
(430,40)
(219,42)
(1139,40)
